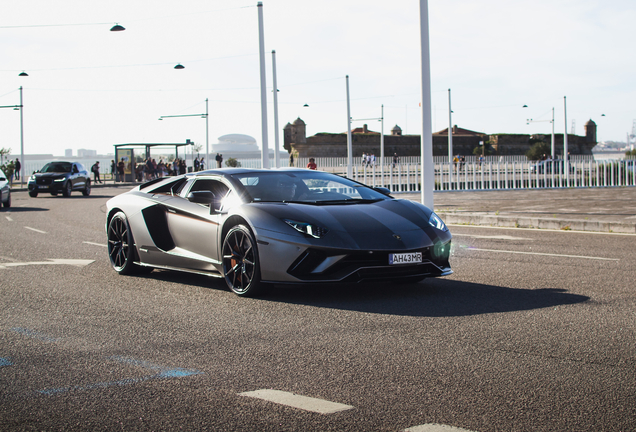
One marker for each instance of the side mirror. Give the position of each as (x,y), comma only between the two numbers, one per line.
(383,190)
(202,197)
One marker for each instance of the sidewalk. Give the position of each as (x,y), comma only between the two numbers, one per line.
(593,209)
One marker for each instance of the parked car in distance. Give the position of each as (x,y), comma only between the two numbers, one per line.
(548,164)
(5,190)
(60,177)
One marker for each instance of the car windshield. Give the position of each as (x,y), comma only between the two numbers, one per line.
(309,187)
(57,167)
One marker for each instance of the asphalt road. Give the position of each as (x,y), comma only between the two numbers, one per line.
(534,331)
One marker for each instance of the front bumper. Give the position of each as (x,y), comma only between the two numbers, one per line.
(283,262)
(45,186)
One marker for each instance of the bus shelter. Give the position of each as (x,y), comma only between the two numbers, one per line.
(126,153)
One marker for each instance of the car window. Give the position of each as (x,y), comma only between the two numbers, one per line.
(57,167)
(215,186)
(304,186)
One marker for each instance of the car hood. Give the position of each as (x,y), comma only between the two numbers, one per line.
(53,174)
(383,225)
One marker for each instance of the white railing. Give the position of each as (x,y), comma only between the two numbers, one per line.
(501,176)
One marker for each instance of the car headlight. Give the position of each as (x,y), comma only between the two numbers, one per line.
(32,178)
(312,230)
(60,180)
(436,222)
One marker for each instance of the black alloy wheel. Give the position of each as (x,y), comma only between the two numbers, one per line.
(7,203)
(67,189)
(121,249)
(240,262)
(87,188)
(33,194)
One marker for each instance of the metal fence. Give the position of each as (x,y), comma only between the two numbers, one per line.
(504,175)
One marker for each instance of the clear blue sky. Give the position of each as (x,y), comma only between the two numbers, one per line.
(92,88)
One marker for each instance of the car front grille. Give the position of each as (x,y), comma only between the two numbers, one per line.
(364,266)
(43,180)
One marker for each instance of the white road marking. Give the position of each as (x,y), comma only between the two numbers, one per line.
(95,244)
(500,237)
(319,406)
(73,262)
(544,254)
(36,230)
(9,218)
(431,427)
(545,230)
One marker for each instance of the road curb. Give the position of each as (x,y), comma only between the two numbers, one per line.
(533,222)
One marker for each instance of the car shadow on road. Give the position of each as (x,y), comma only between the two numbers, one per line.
(23,209)
(431,298)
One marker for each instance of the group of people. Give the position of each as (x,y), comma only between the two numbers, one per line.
(458,162)
(368,160)
(12,169)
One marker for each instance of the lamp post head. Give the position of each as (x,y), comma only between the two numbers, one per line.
(23,73)
(179,66)
(117,28)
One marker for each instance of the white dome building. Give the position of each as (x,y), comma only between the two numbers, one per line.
(239,146)
(236,143)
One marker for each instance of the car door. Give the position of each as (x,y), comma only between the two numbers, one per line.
(193,227)
(79,176)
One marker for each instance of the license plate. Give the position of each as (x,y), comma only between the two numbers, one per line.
(43,187)
(405,258)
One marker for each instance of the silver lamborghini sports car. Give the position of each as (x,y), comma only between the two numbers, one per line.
(284,226)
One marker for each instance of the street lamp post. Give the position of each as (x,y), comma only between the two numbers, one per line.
(528,121)
(566,159)
(21,108)
(207,130)
(276,141)
(349,141)
(380,119)
(428,169)
(261,54)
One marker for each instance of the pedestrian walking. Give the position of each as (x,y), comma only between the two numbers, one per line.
(16,167)
(121,166)
(113,169)
(291,159)
(95,170)
(219,160)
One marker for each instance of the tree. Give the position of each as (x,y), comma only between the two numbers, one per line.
(4,152)
(485,149)
(233,163)
(537,150)
(630,152)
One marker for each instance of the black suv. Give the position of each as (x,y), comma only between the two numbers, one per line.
(64,177)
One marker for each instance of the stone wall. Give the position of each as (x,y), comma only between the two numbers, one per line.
(335,145)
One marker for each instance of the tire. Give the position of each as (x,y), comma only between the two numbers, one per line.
(87,188)
(7,203)
(121,247)
(54,193)
(33,194)
(240,262)
(68,188)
